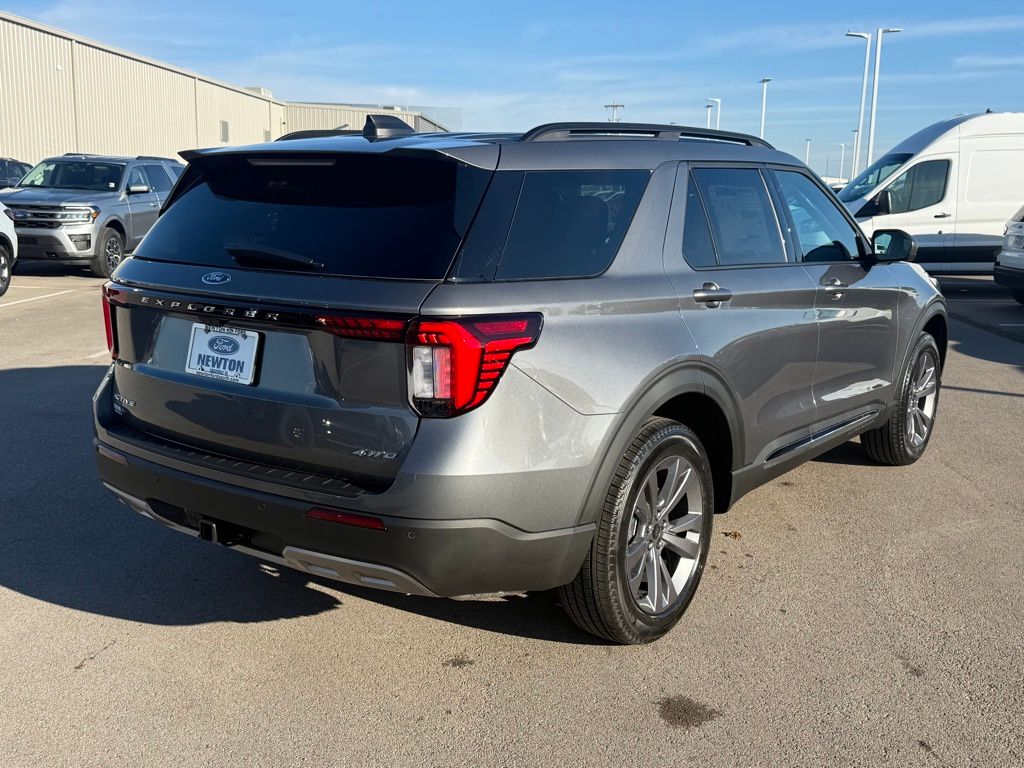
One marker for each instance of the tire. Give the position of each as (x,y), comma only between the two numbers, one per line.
(903,439)
(6,269)
(602,599)
(1019,296)
(109,253)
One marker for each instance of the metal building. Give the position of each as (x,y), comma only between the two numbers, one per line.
(63,93)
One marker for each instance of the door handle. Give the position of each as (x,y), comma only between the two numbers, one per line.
(711,294)
(154,205)
(834,287)
(943,215)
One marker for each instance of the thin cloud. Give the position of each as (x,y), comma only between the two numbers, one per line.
(987,62)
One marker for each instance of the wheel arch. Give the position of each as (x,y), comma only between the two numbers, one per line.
(116,224)
(694,395)
(938,327)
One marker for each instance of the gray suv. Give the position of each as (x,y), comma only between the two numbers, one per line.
(457,364)
(88,210)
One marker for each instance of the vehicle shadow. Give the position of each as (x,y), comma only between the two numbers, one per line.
(68,542)
(850,453)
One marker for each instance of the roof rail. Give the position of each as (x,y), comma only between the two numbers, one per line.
(155,157)
(567,131)
(81,154)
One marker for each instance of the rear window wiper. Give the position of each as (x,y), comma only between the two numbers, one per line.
(241,252)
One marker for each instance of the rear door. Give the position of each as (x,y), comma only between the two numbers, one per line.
(749,307)
(856,302)
(143,206)
(261,324)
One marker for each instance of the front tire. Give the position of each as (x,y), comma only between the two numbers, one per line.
(903,438)
(652,540)
(109,253)
(6,269)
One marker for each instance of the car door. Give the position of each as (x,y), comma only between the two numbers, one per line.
(923,203)
(856,302)
(749,308)
(143,207)
(159,180)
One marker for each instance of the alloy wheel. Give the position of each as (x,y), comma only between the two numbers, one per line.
(663,537)
(921,400)
(113,252)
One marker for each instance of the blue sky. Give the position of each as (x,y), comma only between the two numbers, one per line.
(514,65)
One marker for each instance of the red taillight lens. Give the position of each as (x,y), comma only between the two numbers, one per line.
(353,327)
(455,364)
(111,296)
(346,518)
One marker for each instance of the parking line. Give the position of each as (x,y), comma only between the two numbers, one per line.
(101,353)
(37,298)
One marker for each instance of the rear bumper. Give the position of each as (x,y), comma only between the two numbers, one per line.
(1010,277)
(448,558)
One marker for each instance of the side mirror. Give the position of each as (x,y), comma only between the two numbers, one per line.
(138,189)
(892,245)
(883,204)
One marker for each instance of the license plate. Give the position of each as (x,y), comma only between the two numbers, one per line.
(227,354)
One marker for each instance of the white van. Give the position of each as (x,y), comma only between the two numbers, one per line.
(953,186)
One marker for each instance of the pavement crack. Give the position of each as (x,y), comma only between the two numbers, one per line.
(87,659)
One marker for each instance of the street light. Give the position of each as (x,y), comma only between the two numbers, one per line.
(874,88)
(807,152)
(718,112)
(764,101)
(863,98)
(842,158)
(709,107)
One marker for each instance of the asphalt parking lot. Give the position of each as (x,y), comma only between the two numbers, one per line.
(851,614)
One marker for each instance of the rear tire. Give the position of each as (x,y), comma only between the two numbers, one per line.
(109,253)
(652,539)
(903,439)
(6,269)
(1019,296)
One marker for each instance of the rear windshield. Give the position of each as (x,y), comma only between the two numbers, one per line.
(551,224)
(354,215)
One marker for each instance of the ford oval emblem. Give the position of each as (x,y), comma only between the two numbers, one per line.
(222,345)
(216,278)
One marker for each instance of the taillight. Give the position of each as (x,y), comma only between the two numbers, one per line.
(111,296)
(454,365)
(346,518)
(355,327)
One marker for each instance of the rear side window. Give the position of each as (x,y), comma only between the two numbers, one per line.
(698,249)
(351,215)
(569,223)
(741,214)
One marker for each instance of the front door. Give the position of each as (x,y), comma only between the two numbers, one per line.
(143,207)
(855,305)
(923,203)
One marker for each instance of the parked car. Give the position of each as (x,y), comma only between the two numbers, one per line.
(11,171)
(89,210)
(952,186)
(496,380)
(1009,269)
(8,249)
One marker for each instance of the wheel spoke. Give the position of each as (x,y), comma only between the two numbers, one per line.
(681,545)
(686,483)
(690,522)
(651,568)
(667,494)
(926,422)
(651,489)
(668,592)
(634,557)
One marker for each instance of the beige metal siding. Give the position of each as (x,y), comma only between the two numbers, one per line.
(303,117)
(246,115)
(130,107)
(36,93)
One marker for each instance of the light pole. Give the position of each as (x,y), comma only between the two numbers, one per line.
(842,159)
(614,107)
(874,89)
(709,107)
(764,101)
(718,112)
(807,153)
(863,98)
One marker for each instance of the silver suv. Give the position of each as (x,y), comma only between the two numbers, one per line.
(456,364)
(88,210)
